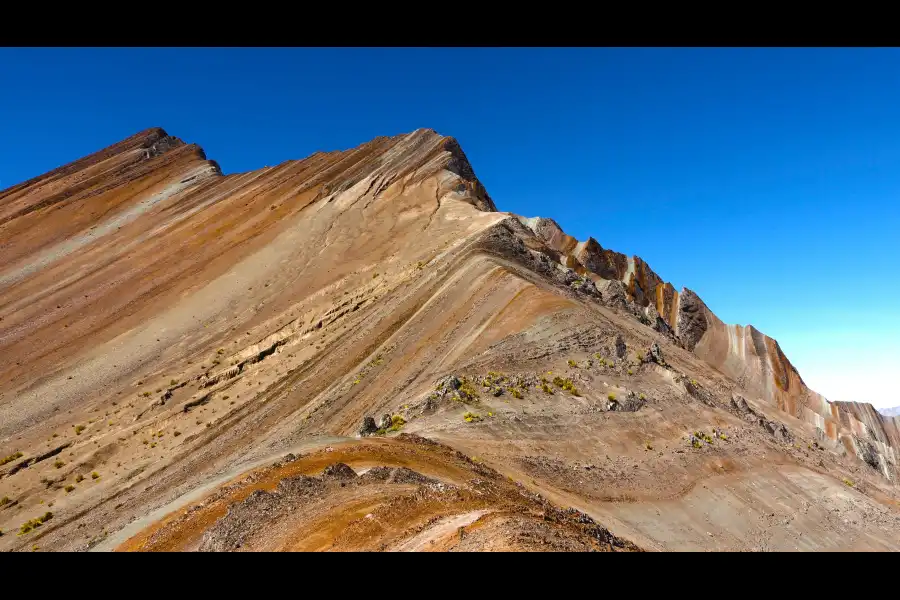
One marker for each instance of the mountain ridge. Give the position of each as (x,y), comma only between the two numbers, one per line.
(273,311)
(643,287)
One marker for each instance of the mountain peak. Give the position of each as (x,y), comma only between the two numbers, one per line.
(228,320)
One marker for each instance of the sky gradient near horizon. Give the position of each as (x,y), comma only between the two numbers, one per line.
(766,180)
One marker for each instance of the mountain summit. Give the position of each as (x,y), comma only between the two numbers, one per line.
(357,351)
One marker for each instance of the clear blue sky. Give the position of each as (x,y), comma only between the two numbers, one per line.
(766,180)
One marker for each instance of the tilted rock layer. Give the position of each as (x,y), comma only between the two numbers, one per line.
(166,331)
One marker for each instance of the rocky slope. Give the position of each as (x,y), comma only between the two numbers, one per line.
(169,333)
(751,358)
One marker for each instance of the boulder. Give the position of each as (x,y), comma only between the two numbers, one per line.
(655,354)
(386,421)
(339,471)
(368,426)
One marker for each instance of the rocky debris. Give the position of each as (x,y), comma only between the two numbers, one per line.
(740,406)
(570,277)
(621,349)
(261,508)
(779,432)
(571,516)
(630,403)
(447,388)
(240,522)
(774,428)
(586,286)
(339,471)
(286,460)
(396,475)
(451,382)
(613,293)
(368,426)
(696,391)
(299,486)
(656,321)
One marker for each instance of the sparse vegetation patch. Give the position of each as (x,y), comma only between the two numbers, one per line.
(471,417)
(11,458)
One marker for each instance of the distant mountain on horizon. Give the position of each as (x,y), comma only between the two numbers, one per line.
(890,412)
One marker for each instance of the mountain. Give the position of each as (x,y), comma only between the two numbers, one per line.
(890,412)
(358,351)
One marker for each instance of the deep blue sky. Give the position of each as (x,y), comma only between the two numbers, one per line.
(764,179)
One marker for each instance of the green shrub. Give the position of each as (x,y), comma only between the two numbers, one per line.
(173,382)
(95,475)
(59,464)
(4,500)
(28,526)
(648,445)
(703,436)
(547,389)
(70,488)
(11,458)
(79,478)
(176,433)
(467,393)
(640,356)
(611,397)
(79,429)
(32,524)
(397,423)
(470,417)
(630,372)
(848,483)
(597,356)
(146,394)
(516,393)
(642,397)
(572,363)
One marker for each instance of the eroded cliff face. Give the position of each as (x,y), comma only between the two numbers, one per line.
(758,364)
(752,358)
